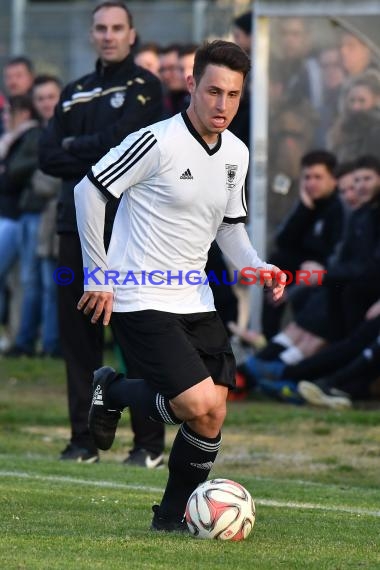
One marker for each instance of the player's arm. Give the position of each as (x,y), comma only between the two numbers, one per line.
(137,158)
(234,242)
(90,205)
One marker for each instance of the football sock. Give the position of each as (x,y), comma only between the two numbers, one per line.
(136,393)
(190,461)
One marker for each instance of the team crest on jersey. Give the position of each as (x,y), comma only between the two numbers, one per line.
(117,100)
(231,171)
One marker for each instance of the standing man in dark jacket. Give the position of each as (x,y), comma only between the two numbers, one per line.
(95,113)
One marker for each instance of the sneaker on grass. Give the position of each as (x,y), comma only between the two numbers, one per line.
(323,396)
(79,454)
(102,421)
(142,458)
(163,524)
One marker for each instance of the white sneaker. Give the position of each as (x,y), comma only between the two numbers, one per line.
(327,398)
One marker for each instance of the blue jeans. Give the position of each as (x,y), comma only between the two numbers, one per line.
(31,283)
(9,250)
(50,330)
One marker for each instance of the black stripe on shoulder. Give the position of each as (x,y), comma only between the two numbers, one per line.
(121,158)
(241,220)
(100,187)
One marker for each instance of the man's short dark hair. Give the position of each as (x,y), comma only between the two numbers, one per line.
(369,162)
(244,22)
(220,52)
(44,78)
(20,60)
(320,157)
(188,49)
(115,4)
(22,103)
(345,168)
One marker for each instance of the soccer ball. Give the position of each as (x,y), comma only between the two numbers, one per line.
(220,509)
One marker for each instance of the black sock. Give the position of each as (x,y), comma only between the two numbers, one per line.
(191,459)
(136,394)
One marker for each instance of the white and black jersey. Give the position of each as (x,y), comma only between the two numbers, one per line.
(177,195)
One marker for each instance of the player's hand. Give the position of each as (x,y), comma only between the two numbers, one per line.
(276,280)
(97,302)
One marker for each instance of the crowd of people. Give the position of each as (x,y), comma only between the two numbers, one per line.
(321,338)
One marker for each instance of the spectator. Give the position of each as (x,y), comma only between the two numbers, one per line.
(38,305)
(95,113)
(355,54)
(175,90)
(300,66)
(333,77)
(147,56)
(357,131)
(18,74)
(312,230)
(19,156)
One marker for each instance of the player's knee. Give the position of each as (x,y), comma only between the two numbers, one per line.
(202,404)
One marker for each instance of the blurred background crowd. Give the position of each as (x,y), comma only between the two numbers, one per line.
(321,343)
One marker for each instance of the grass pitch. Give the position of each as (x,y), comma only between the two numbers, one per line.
(314,476)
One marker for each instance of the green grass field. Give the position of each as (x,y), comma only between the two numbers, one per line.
(314,475)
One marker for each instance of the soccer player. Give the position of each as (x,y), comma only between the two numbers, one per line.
(182,186)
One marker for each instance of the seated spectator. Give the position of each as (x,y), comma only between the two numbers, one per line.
(312,230)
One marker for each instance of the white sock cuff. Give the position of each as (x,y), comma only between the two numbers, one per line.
(292,355)
(283,339)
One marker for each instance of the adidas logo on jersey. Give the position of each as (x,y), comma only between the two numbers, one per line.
(186,175)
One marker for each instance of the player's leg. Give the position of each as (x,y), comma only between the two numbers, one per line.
(194,450)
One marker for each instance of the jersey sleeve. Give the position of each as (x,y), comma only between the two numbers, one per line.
(236,209)
(135,159)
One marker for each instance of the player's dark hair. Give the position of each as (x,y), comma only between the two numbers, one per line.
(345,168)
(115,4)
(320,157)
(20,60)
(368,161)
(223,53)
(23,103)
(44,78)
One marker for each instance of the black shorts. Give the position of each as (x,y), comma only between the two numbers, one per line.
(173,352)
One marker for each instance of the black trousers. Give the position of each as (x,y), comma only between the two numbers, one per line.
(82,346)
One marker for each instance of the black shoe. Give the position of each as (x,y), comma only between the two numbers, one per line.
(17,352)
(163,524)
(142,458)
(79,454)
(102,421)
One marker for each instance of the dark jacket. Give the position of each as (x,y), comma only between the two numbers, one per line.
(359,256)
(313,234)
(18,166)
(99,110)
